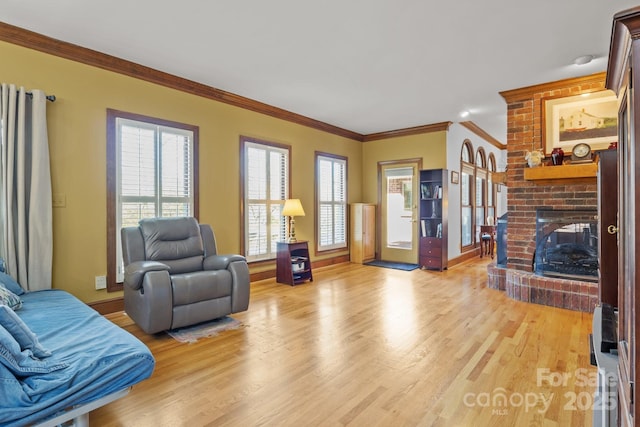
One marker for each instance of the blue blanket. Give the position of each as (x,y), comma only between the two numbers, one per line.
(101,357)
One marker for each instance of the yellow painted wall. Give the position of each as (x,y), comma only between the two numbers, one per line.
(430,147)
(77,141)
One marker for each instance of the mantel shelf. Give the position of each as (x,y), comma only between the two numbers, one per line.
(585,172)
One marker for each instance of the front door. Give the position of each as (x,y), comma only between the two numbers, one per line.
(398,183)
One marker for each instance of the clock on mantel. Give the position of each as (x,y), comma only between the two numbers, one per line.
(581,153)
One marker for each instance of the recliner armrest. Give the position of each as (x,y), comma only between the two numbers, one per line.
(134,272)
(220,262)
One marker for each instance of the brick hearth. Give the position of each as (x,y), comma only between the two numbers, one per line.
(524,286)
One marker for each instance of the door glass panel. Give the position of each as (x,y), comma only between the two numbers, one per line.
(399,208)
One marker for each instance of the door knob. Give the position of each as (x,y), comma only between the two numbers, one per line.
(612,229)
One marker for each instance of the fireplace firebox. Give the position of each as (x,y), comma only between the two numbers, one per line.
(567,244)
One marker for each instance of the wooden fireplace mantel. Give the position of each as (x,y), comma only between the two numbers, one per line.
(545,175)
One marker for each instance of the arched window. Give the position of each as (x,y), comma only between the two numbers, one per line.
(467,177)
(481,159)
(467,152)
(477,193)
(481,188)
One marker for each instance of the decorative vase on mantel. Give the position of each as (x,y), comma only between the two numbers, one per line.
(557,155)
(534,158)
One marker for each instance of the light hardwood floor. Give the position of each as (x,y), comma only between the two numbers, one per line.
(368,346)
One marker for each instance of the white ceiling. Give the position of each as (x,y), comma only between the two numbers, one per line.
(364,65)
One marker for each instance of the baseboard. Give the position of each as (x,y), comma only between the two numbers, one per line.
(117,304)
(466,256)
(330,261)
(261,275)
(107,306)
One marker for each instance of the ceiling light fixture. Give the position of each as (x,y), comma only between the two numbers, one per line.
(583,60)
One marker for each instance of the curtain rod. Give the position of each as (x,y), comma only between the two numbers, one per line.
(51,98)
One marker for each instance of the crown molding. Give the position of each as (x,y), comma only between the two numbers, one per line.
(31,40)
(435,127)
(528,92)
(484,135)
(626,29)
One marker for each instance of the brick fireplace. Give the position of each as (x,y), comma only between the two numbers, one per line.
(524,197)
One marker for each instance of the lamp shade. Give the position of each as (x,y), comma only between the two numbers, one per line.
(292,207)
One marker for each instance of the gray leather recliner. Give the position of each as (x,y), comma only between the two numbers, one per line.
(174,277)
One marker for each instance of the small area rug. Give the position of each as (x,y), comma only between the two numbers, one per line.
(394,265)
(190,334)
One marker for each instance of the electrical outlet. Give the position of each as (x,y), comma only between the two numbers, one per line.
(101,282)
(59,200)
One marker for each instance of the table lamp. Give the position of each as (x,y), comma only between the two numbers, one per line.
(292,207)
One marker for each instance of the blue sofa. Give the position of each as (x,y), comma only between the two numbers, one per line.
(87,362)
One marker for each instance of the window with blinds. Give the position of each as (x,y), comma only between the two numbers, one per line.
(266,187)
(155,174)
(154,165)
(331,173)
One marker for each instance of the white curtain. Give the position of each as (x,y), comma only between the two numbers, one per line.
(26,242)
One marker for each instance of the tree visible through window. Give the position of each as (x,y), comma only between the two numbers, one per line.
(153,162)
(265,188)
(331,194)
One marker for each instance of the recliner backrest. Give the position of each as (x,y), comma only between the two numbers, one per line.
(176,242)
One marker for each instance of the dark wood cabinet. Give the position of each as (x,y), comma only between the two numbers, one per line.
(293,264)
(623,75)
(432,229)
(607,222)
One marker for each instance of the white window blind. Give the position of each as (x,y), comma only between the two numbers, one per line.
(332,202)
(266,188)
(154,174)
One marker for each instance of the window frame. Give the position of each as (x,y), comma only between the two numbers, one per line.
(491,187)
(480,199)
(245,142)
(335,159)
(112,181)
(467,168)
